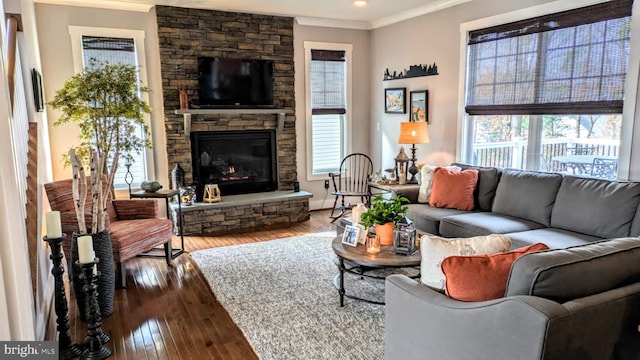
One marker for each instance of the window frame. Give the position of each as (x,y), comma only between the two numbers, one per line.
(346,141)
(464,138)
(138,36)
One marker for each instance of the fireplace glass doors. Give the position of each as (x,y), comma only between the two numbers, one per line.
(240,162)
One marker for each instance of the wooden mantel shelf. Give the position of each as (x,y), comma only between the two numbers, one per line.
(186,114)
(233,111)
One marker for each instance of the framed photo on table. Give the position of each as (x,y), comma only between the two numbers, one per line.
(419,105)
(395,101)
(362,234)
(350,235)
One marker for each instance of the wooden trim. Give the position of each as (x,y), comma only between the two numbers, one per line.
(328,55)
(12,29)
(570,108)
(33,239)
(328,111)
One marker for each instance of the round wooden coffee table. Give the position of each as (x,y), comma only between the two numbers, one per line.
(355,260)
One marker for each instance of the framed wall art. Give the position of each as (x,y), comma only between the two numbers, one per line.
(419,105)
(38,97)
(395,101)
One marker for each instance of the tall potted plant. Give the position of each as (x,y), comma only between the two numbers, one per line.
(385,215)
(104,101)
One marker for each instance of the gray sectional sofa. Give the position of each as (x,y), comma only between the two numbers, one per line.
(530,207)
(578,300)
(580,303)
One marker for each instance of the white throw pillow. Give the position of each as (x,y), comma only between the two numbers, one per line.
(426,181)
(434,249)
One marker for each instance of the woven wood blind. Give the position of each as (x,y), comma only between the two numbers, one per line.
(564,63)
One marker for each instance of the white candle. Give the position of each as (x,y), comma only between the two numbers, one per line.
(52,221)
(85,249)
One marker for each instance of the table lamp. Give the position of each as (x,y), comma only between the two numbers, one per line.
(413,132)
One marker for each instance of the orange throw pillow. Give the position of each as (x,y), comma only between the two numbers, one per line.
(481,277)
(453,189)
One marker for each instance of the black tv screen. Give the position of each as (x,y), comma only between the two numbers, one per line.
(235,82)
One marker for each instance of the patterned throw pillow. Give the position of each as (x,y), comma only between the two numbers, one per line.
(426,181)
(481,277)
(434,249)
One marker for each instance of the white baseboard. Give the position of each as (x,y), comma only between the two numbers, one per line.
(45,314)
(320,204)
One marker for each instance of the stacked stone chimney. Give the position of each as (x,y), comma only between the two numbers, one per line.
(184,34)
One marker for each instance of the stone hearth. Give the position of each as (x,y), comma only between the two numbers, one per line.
(245,212)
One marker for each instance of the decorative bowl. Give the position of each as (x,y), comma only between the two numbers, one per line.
(150,186)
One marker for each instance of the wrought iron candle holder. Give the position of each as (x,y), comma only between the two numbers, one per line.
(67,349)
(128,177)
(96,338)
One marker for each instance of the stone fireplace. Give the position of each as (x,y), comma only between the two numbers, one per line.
(185,34)
(240,162)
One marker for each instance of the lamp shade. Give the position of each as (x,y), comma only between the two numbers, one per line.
(415,132)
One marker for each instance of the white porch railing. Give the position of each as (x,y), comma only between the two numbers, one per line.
(513,153)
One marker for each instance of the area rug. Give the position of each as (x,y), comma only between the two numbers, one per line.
(280,293)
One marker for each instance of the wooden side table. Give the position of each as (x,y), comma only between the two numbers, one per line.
(166,195)
(391,190)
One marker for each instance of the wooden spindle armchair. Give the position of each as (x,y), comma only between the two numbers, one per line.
(351,181)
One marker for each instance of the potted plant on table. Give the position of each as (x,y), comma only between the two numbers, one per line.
(104,101)
(385,215)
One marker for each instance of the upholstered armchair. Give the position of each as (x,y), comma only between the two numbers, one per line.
(134,225)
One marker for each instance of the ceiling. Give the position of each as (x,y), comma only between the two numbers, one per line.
(333,13)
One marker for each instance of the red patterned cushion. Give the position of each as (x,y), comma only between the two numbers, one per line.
(133,237)
(134,229)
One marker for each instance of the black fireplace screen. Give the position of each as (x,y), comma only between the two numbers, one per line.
(240,162)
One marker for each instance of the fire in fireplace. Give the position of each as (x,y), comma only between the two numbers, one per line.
(240,162)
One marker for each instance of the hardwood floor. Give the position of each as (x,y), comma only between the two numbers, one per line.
(170,312)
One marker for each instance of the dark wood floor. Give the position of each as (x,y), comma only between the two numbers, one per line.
(170,313)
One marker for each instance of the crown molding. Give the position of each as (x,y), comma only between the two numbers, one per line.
(419,11)
(434,6)
(101,4)
(333,23)
(378,23)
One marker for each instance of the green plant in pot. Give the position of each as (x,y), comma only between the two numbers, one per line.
(385,215)
(104,102)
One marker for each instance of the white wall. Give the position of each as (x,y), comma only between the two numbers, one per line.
(57,66)
(361,113)
(432,38)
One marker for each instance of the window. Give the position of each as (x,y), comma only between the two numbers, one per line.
(114,46)
(328,95)
(546,93)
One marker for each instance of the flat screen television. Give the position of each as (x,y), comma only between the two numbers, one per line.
(224,82)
